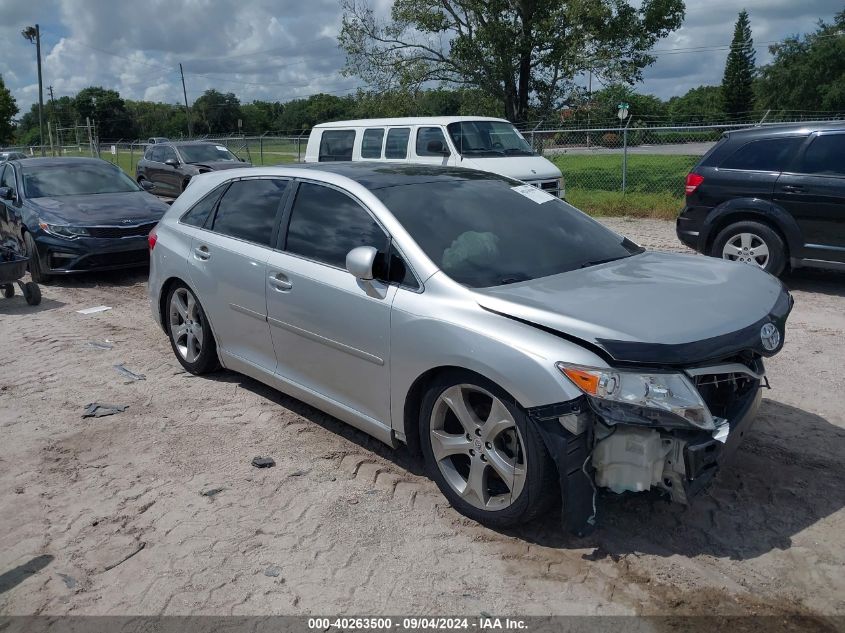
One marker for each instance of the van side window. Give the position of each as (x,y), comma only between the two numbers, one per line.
(428,139)
(371,143)
(336,145)
(772,154)
(397,142)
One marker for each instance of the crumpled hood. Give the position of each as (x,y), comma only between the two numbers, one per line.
(653,307)
(132,207)
(218,165)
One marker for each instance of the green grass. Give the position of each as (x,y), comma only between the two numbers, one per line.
(647,173)
(662,206)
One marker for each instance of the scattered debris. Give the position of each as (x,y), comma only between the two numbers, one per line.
(18,490)
(97,410)
(141,546)
(94,310)
(263,462)
(371,492)
(352,502)
(484,614)
(98,345)
(299,473)
(128,373)
(70,581)
(211,493)
(273,571)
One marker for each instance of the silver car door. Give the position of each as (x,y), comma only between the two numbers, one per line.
(228,267)
(330,330)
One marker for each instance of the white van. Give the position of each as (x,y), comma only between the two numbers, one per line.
(483,143)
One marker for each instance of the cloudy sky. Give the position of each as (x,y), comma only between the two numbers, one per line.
(281,49)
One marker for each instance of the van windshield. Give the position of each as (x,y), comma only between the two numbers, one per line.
(488,138)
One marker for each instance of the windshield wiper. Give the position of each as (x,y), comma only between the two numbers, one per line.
(596,262)
(513,151)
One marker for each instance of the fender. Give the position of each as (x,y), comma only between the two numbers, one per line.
(749,208)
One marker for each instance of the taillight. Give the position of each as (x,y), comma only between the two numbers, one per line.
(693,181)
(152,239)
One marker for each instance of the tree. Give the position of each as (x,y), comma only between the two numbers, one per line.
(107,110)
(603,105)
(523,53)
(216,112)
(738,82)
(807,74)
(704,104)
(8,109)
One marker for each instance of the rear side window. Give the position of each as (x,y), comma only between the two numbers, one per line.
(248,209)
(397,143)
(8,179)
(431,136)
(371,143)
(774,154)
(336,145)
(201,210)
(825,156)
(326,224)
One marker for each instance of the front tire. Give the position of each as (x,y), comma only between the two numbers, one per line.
(189,332)
(751,243)
(35,270)
(483,453)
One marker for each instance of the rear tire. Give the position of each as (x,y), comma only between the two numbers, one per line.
(753,243)
(35,270)
(489,461)
(189,332)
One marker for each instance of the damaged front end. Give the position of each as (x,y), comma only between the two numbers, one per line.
(635,430)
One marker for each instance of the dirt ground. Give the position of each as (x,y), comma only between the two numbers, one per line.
(157,510)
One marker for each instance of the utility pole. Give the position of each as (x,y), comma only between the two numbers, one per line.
(187,109)
(33,34)
(51,118)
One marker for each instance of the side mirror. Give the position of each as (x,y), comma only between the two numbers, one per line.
(437,147)
(146,185)
(172,162)
(360,262)
(7,193)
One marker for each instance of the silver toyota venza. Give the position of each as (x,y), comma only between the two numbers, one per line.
(524,350)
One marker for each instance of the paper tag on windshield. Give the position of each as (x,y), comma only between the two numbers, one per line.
(221,148)
(533,193)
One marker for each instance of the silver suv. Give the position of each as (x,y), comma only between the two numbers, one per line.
(523,349)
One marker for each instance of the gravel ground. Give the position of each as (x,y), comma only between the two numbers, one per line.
(157,510)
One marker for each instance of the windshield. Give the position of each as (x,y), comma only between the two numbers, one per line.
(75,179)
(488,138)
(485,233)
(205,153)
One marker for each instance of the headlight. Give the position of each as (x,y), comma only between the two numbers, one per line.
(61,230)
(670,392)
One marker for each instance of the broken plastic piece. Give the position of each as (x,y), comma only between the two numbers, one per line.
(94,310)
(97,410)
(98,345)
(129,374)
(263,462)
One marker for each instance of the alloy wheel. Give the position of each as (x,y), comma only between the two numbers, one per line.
(186,324)
(747,248)
(478,447)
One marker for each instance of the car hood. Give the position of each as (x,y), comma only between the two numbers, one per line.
(659,308)
(218,165)
(519,167)
(133,207)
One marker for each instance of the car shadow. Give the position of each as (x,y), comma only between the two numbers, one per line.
(785,477)
(401,456)
(14,577)
(829,282)
(116,278)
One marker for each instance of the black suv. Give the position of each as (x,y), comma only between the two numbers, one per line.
(772,196)
(167,168)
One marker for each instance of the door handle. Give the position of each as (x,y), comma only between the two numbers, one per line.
(280,282)
(201,252)
(792,188)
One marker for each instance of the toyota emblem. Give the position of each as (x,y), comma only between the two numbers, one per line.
(770,337)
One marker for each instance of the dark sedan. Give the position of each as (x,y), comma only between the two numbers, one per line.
(78,214)
(167,168)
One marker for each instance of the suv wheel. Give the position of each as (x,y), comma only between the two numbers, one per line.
(483,453)
(751,243)
(190,334)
